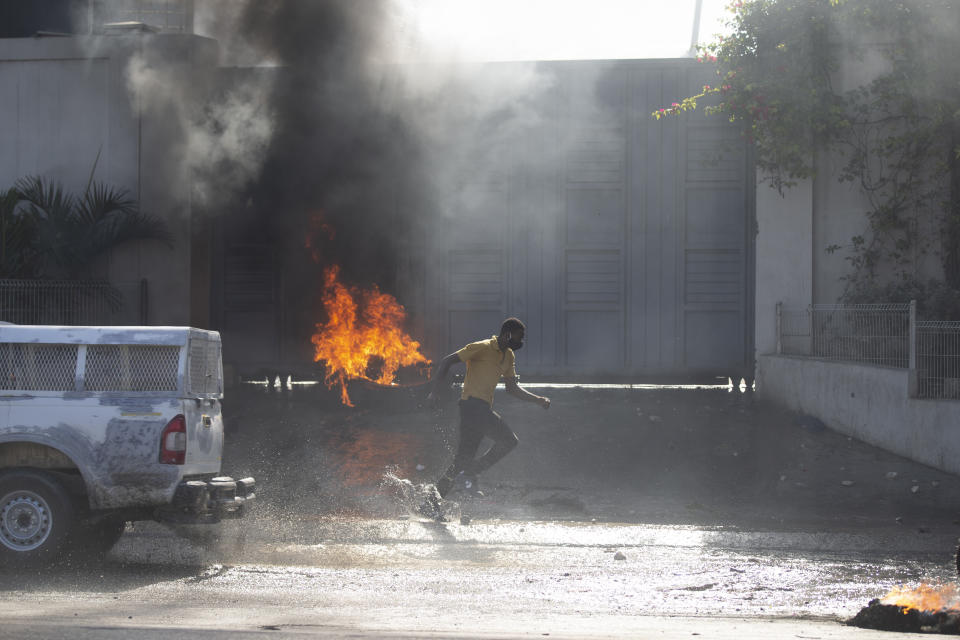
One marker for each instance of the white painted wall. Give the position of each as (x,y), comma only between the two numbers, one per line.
(66,99)
(868,403)
(784,256)
(793,267)
(59,107)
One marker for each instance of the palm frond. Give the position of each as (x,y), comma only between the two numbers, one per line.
(107,217)
(46,195)
(100,201)
(50,210)
(16,237)
(93,169)
(67,234)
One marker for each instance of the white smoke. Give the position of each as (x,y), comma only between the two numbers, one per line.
(222,134)
(469,119)
(229,139)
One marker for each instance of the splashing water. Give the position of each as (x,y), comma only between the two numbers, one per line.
(411,495)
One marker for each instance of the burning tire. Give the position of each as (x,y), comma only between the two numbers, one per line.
(36,517)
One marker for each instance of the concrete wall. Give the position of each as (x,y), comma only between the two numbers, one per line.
(67,99)
(795,229)
(784,253)
(868,403)
(794,267)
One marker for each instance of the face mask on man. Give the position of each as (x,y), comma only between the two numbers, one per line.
(515,343)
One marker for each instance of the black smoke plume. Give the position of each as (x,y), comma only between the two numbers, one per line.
(337,153)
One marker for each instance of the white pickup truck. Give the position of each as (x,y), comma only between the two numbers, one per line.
(104,425)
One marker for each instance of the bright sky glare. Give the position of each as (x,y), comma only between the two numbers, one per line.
(558,29)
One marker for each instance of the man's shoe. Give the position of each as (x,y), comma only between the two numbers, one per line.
(431,509)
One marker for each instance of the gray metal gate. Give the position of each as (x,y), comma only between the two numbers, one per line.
(626,246)
(246,296)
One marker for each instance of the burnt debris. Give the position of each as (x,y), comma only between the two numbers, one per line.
(891,617)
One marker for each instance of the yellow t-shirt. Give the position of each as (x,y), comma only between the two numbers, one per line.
(486,363)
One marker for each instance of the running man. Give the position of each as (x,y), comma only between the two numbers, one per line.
(487,361)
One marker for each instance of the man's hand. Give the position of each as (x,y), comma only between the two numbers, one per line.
(433,400)
(544,402)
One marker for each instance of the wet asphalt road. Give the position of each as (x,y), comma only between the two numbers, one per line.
(668,514)
(407,578)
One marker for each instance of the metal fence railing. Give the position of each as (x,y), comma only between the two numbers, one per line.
(72,302)
(794,331)
(938,359)
(873,333)
(886,335)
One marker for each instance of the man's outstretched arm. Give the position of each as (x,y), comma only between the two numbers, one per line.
(514,389)
(441,375)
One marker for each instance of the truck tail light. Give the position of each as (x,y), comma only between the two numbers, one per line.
(173,441)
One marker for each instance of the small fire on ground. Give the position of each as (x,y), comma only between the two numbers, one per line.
(926,608)
(363,335)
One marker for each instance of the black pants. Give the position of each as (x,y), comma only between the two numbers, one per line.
(477,420)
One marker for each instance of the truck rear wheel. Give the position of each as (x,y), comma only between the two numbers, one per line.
(36,517)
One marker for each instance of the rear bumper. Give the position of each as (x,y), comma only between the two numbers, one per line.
(209,501)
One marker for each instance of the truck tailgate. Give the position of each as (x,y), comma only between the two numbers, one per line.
(204,436)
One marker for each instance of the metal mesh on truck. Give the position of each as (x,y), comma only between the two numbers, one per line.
(131,368)
(204,367)
(37,367)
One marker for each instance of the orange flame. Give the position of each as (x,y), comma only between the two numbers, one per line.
(925,598)
(361,326)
